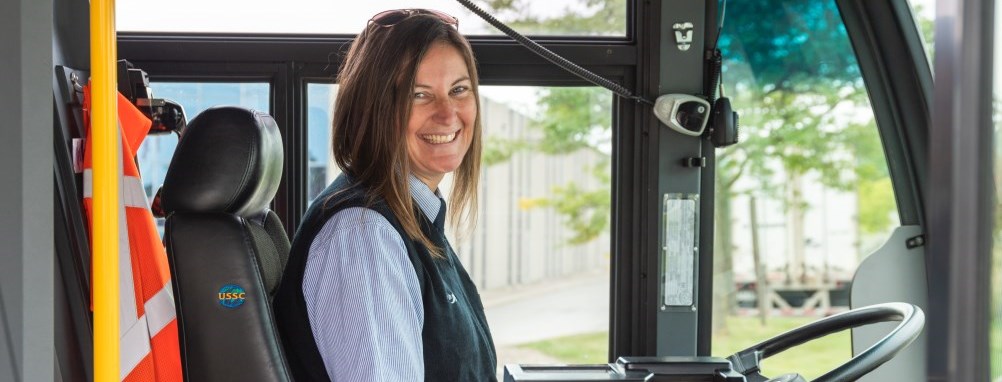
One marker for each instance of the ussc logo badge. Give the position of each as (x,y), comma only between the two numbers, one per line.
(232,296)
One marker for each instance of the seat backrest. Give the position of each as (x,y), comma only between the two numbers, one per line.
(226,249)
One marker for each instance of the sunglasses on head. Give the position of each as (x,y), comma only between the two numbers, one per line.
(395,16)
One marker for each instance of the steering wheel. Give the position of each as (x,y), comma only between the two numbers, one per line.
(911,318)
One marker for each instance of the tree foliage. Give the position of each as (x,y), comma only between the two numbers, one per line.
(790,68)
(588,18)
(575,119)
(499,150)
(586,211)
(792,76)
(572,119)
(794,79)
(578,119)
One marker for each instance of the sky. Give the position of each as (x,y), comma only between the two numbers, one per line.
(340,17)
(315,16)
(292,16)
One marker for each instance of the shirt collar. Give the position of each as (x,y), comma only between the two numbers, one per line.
(429,202)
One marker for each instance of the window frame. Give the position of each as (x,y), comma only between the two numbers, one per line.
(640,155)
(290,62)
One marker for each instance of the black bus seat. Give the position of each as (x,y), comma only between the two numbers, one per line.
(226,249)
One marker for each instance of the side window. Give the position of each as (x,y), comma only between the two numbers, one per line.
(320,167)
(156,151)
(540,252)
(806,195)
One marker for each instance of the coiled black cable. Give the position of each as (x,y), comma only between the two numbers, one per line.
(553,57)
(714,63)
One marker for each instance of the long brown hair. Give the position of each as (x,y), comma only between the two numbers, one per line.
(371,111)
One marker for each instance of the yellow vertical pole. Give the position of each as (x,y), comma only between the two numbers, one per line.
(104,122)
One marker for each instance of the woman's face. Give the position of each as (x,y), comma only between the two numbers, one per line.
(443,113)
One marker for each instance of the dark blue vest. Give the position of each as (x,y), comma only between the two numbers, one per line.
(457,342)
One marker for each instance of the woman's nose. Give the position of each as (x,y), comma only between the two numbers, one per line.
(445,110)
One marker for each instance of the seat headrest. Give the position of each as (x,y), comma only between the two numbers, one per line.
(229,159)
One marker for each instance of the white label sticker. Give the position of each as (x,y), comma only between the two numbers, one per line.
(681,216)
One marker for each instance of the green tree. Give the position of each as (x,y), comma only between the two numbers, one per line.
(579,119)
(790,72)
(572,118)
(587,18)
(793,77)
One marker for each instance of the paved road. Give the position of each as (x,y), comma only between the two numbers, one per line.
(579,304)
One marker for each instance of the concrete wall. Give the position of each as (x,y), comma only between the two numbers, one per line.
(515,242)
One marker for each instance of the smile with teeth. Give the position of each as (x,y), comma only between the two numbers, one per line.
(438,139)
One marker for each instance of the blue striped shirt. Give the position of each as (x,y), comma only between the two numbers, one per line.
(363,297)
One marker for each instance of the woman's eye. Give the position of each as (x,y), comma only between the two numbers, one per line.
(420,96)
(459,90)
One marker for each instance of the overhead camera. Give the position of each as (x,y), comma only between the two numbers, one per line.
(690,115)
(683,113)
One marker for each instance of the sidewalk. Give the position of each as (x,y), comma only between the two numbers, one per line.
(573,305)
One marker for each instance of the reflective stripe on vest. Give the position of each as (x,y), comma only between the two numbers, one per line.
(148,324)
(133,193)
(136,339)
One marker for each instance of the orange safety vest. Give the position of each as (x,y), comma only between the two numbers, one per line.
(148,324)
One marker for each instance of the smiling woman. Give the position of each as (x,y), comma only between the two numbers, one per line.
(373,289)
(443,114)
